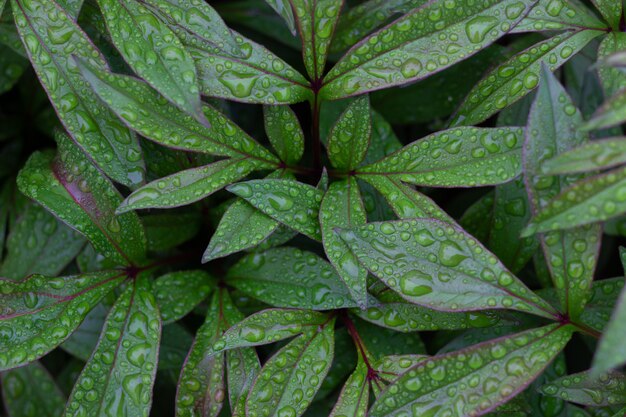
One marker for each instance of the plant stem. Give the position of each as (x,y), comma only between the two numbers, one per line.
(372,374)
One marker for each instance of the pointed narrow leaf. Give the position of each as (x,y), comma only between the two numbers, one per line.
(284,132)
(349,138)
(154,52)
(342,208)
(316,21)
(404,49)
(552,129)
(559,15)
(290,278)
(353,399)
(591,156)
(269,326)
(31,390)
(437,265)
(518,76)
(82,341)
(145,111)
(39,313)
(582,388)
(188,186)
(292,203)
(177,293)
(77,193)
(613,79)
(474,380)
(461,157)
(295,371)
(94,128)
(120,374)
(242,368)
(611,113)
(611,11)
(283,8)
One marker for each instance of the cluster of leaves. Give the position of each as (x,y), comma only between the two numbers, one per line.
(371,279)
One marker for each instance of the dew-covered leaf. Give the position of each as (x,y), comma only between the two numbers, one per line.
(583,388)
(552,129)
(269,326)
(242,368)
(353,399)
(611,11)
(166,231)
(316,21)
(188,186)
(146,112)
(349,138)
(611,75)
(154,52)
(460,157)
(39,244)
(177,293)
(549,15)
(77,193)
(440,266)
(85,338)
(290,278)
(292,203)
(39,313)
(283,8)
(295,371)
(474,380)
(420,43)
(48,31)
(31,390)
(119,376)
(284,132)
(597,155)
(519,75)
(342,207)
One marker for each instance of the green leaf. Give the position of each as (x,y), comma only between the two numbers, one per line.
(381,342)
(77,193)
(439,266)
(597,155)
(353,399)
(188,186)
(342,208)
(550,15)
(295,371)
(258,77)
(290,278)
(269,326)
(146,112)
(493,372)
(283,8)
(119,376)
(465,29)
(177,293)
(610,10)
(292,203)
(611,113)
(39,244)
(12,67)
(519,75)
(31,390)
(284,132)
(613,79)
(460,157)
(572,254)
(166,231)
(583,388)
(242,368)
(85,338)
(349,138)
(112,147)
(316,21)
(154,52)
(39,313)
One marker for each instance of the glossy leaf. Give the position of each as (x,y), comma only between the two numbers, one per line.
(316,21)
(154,52)
(592,156)
(292,203)
(349,138)
(146,112)
(457,32)
(93,127)
(440,266)
(354,396)
(177,293)
(572,255)
(77,193)
(290,278)
(610,10)
(582,388)
(518,76)
(461,157)
(31,390)
(242,368)
(119,376)
(342,208)
(84,339)
(39,313)
(434,385)
(295,371)
(283,8)
(559,15)
(284,132)
(613,79)
(188,186)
